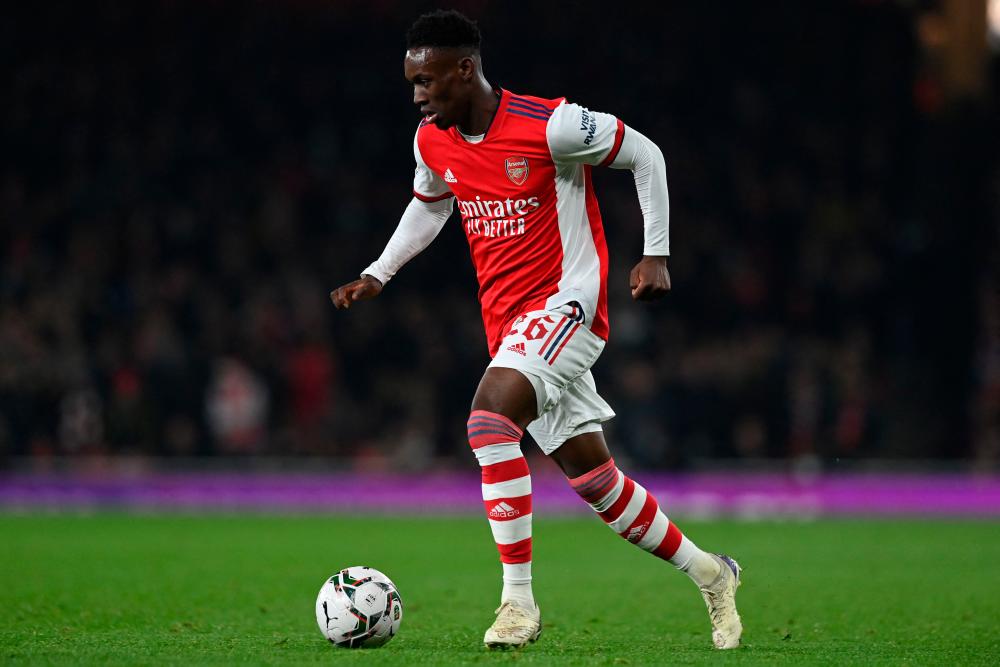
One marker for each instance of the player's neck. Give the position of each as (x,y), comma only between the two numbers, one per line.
(482,107)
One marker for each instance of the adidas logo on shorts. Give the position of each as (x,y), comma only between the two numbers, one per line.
(517,347)
(503,511)
(449,177)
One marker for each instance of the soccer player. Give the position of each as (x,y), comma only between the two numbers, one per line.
(519,170)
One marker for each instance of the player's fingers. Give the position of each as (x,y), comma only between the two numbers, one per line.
(654,293)
(638,289)
(359,292)
(650,292)
(340,298)
(633,279)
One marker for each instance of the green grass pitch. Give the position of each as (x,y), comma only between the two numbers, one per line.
(222,589)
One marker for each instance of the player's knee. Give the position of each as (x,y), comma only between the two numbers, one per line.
(597,483)
(486,428)
(582,454)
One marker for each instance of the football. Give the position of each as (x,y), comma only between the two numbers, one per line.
(359,607)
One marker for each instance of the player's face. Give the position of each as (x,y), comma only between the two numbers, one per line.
(439,78)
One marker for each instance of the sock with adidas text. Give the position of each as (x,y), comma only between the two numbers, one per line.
(496,442)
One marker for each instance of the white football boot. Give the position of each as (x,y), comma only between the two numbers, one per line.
(515,626)
(720,598)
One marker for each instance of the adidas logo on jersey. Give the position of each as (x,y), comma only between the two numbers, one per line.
(503,511)
(636,533)
(517,347)
(449,177)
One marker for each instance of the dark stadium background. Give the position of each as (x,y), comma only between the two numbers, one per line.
(183,183)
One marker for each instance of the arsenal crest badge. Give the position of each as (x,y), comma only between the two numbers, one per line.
(517,169)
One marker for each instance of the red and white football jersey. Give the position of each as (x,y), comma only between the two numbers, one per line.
(528,205)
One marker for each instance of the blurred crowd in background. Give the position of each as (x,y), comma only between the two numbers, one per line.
(183,183)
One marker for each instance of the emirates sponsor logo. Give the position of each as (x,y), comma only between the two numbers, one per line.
(517,169)
(636,533)
(497,217)
(498,208)
(503,511)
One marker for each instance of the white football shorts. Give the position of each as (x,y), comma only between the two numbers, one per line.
(555,350)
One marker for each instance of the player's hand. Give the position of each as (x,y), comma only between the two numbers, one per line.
(649,279)
(363,288)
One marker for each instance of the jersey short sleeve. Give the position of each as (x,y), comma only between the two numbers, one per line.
(577,134)
(427,186)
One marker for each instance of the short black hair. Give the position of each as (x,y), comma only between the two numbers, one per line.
(444,28)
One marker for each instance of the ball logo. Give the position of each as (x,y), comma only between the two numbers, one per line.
(517,169)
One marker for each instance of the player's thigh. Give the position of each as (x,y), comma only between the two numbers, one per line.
(507,392)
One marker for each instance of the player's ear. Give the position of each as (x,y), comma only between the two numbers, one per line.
(467,68)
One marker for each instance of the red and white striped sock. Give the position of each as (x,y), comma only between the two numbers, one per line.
(496,442)
(633,513)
